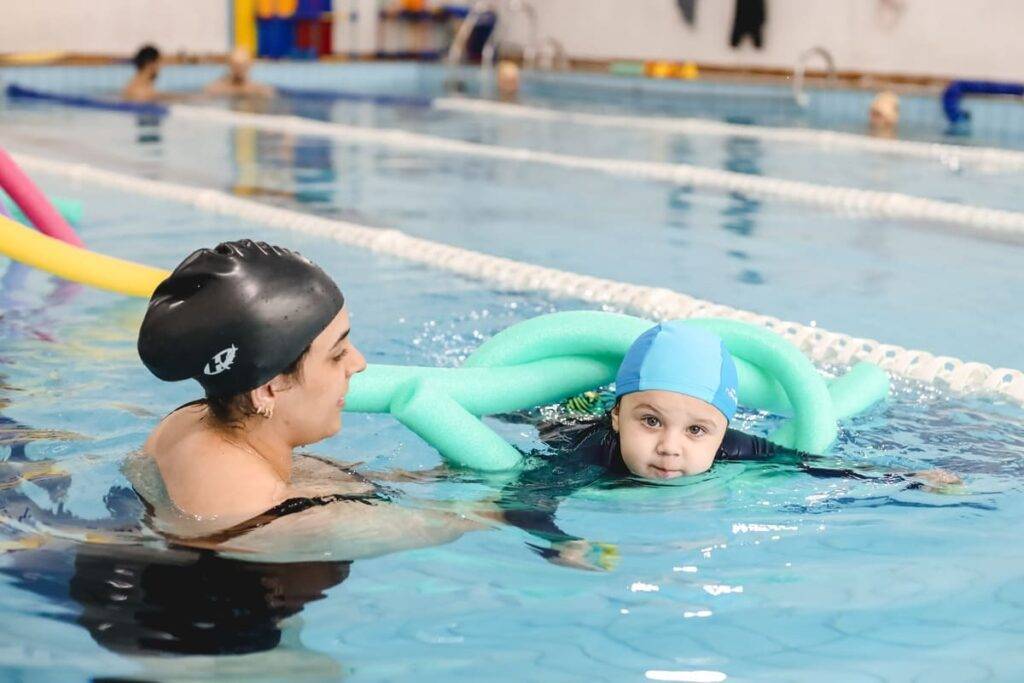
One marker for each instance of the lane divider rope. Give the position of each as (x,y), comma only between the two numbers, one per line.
(954,156)
(996,223)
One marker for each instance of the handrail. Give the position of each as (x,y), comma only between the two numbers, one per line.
(801,67)
(458,46)
(957,89)
(558,59)
(489,53)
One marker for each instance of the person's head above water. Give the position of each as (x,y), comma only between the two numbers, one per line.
(676,393)
(884,114)
(262,329)
(239,62)
(147,59)
(508,78)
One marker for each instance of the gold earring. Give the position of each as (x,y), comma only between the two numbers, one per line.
(266,411)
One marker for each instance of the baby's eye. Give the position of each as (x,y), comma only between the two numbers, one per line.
(340,356)
(697,430)
(651,421)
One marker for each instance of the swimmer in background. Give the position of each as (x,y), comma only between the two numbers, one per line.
(884,115)
(508,81)
(676,394)
(141,87)
(236,81)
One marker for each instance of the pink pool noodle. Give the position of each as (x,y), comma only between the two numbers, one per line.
(34,203)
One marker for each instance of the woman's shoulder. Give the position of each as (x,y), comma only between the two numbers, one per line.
(179,424)
(207,476)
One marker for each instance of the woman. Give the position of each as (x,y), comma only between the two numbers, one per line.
(267,335)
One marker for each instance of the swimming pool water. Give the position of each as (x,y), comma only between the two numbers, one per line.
(753,573)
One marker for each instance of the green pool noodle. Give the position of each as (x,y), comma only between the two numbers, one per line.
(626,68)
(814,417)
(70,209)
(602,334)
(550,358)
(606,334)
(483,391)
(861,387)
(430,412)
(442,405)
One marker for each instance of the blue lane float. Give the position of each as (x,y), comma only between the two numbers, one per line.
(553,357)
(15,91)
(393,100)
(955,92)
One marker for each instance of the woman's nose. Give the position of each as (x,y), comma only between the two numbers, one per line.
(359,362)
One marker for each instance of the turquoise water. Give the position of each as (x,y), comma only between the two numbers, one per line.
(752,573)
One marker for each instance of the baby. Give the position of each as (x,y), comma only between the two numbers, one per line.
(676,394)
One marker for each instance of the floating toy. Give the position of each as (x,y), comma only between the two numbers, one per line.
(626,68)
(351,96)
(957,89)
(31,200)
(70,209)
(684,70)
(148,108)
(74,263)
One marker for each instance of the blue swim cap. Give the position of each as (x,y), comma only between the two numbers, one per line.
(684,358)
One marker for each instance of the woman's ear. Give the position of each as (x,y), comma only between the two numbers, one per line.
(264,396)
(615,418)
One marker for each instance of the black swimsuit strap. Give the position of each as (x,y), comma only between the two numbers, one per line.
(290,506)
(197,402)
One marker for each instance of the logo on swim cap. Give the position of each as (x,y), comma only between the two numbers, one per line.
(222,361)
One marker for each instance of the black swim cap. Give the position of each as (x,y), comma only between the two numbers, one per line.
(235,316)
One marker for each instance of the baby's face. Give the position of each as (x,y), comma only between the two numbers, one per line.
(664,435)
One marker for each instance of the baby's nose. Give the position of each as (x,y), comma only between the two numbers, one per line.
(670,447)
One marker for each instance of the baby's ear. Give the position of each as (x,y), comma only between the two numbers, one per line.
(615,418)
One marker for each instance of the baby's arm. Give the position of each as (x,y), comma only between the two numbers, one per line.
(737,446)
(531,503)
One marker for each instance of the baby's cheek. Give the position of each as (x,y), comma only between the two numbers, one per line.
(701,467)
(704,460)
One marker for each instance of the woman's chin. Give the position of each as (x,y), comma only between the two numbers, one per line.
(327,432)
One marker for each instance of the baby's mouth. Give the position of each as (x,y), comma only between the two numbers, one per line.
(662,473)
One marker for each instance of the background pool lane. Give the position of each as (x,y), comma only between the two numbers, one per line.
(943,179)
(755,573)
(913,284)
